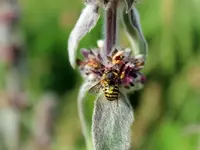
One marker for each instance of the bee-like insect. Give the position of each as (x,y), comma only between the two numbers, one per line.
(109,84)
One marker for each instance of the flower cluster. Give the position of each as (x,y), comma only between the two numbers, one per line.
(94,66)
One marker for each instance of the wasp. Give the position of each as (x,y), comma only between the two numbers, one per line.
(109,83)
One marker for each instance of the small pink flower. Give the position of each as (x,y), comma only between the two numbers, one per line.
(93,67)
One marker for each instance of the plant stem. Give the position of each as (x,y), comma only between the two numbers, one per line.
(110,27)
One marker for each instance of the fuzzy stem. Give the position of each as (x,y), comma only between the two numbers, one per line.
(110,27)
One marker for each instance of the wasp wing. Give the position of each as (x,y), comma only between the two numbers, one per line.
(95,88)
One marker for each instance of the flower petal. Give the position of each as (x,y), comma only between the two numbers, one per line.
(131,21)
(111,124)
(85,127)
(86,22)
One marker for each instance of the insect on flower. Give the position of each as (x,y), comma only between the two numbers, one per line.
(109,71)
(121,73)
(110,85)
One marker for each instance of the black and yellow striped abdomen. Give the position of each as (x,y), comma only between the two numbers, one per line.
(111,92)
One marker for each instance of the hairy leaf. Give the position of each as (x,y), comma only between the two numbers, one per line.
(86,22)
(131,21)
(111,124)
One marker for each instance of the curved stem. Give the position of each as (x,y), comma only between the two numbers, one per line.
(85,129)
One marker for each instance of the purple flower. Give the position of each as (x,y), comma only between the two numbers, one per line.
(93,67)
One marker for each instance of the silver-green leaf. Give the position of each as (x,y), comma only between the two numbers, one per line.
(85,24)
(111,125)
(133,28)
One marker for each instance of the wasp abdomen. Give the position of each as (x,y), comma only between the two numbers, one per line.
(111,93)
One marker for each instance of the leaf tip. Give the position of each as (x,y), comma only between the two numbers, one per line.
(71,53)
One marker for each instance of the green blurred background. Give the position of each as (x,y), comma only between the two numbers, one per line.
(167,110)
